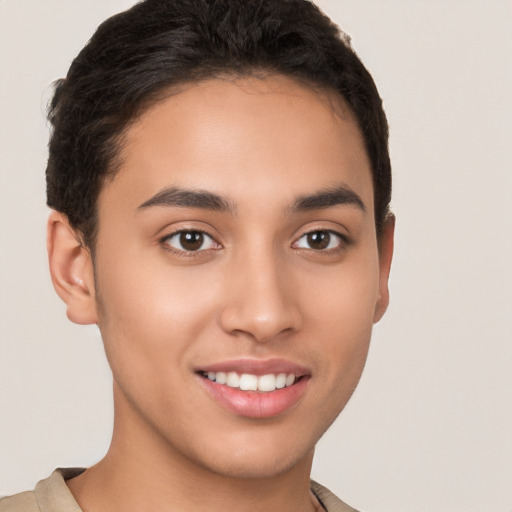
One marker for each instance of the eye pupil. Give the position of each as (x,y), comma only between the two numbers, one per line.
(191,240)
(319,239)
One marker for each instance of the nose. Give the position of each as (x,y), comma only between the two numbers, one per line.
(261,301)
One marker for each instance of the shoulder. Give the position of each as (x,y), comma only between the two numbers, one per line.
(327,499)
(50,495)
(22,502)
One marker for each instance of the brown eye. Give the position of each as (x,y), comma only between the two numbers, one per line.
(320,240)
(190,241)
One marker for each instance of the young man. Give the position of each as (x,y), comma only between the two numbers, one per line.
(220,181)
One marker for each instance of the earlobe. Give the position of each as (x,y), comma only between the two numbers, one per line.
(386,243)
(71,270)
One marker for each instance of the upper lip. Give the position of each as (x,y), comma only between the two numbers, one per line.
(256,367)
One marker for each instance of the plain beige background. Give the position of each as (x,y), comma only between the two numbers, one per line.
(430,427)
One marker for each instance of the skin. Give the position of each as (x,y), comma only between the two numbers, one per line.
(258,291)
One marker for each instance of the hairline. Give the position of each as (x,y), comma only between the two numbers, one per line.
(336,102)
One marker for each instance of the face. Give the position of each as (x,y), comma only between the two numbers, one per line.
(238,273)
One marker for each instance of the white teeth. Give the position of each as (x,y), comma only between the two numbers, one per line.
(281,380)
(267,382)
(233,380)
(250,382)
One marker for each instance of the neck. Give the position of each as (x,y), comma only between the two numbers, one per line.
(151,474)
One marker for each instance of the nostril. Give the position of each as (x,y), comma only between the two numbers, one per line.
(260,302)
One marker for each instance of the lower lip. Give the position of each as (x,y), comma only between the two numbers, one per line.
(253,404)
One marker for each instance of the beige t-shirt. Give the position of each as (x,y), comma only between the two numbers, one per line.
(53,495)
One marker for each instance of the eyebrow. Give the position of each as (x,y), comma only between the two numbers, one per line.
(340,195)
(175,196)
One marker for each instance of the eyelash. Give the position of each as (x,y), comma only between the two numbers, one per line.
(164,242)
(343,242)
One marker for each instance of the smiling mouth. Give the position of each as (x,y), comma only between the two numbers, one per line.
(249,382)
(255,389)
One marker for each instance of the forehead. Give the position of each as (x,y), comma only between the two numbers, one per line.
(245,138)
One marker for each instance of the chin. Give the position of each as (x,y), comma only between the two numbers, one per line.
(254,454)
(262,464)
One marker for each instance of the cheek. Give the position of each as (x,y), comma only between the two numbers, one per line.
(340,321)
(344,298)
(151,322)
(150,314)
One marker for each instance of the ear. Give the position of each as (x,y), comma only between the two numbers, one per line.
(71,269)
(385,256)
